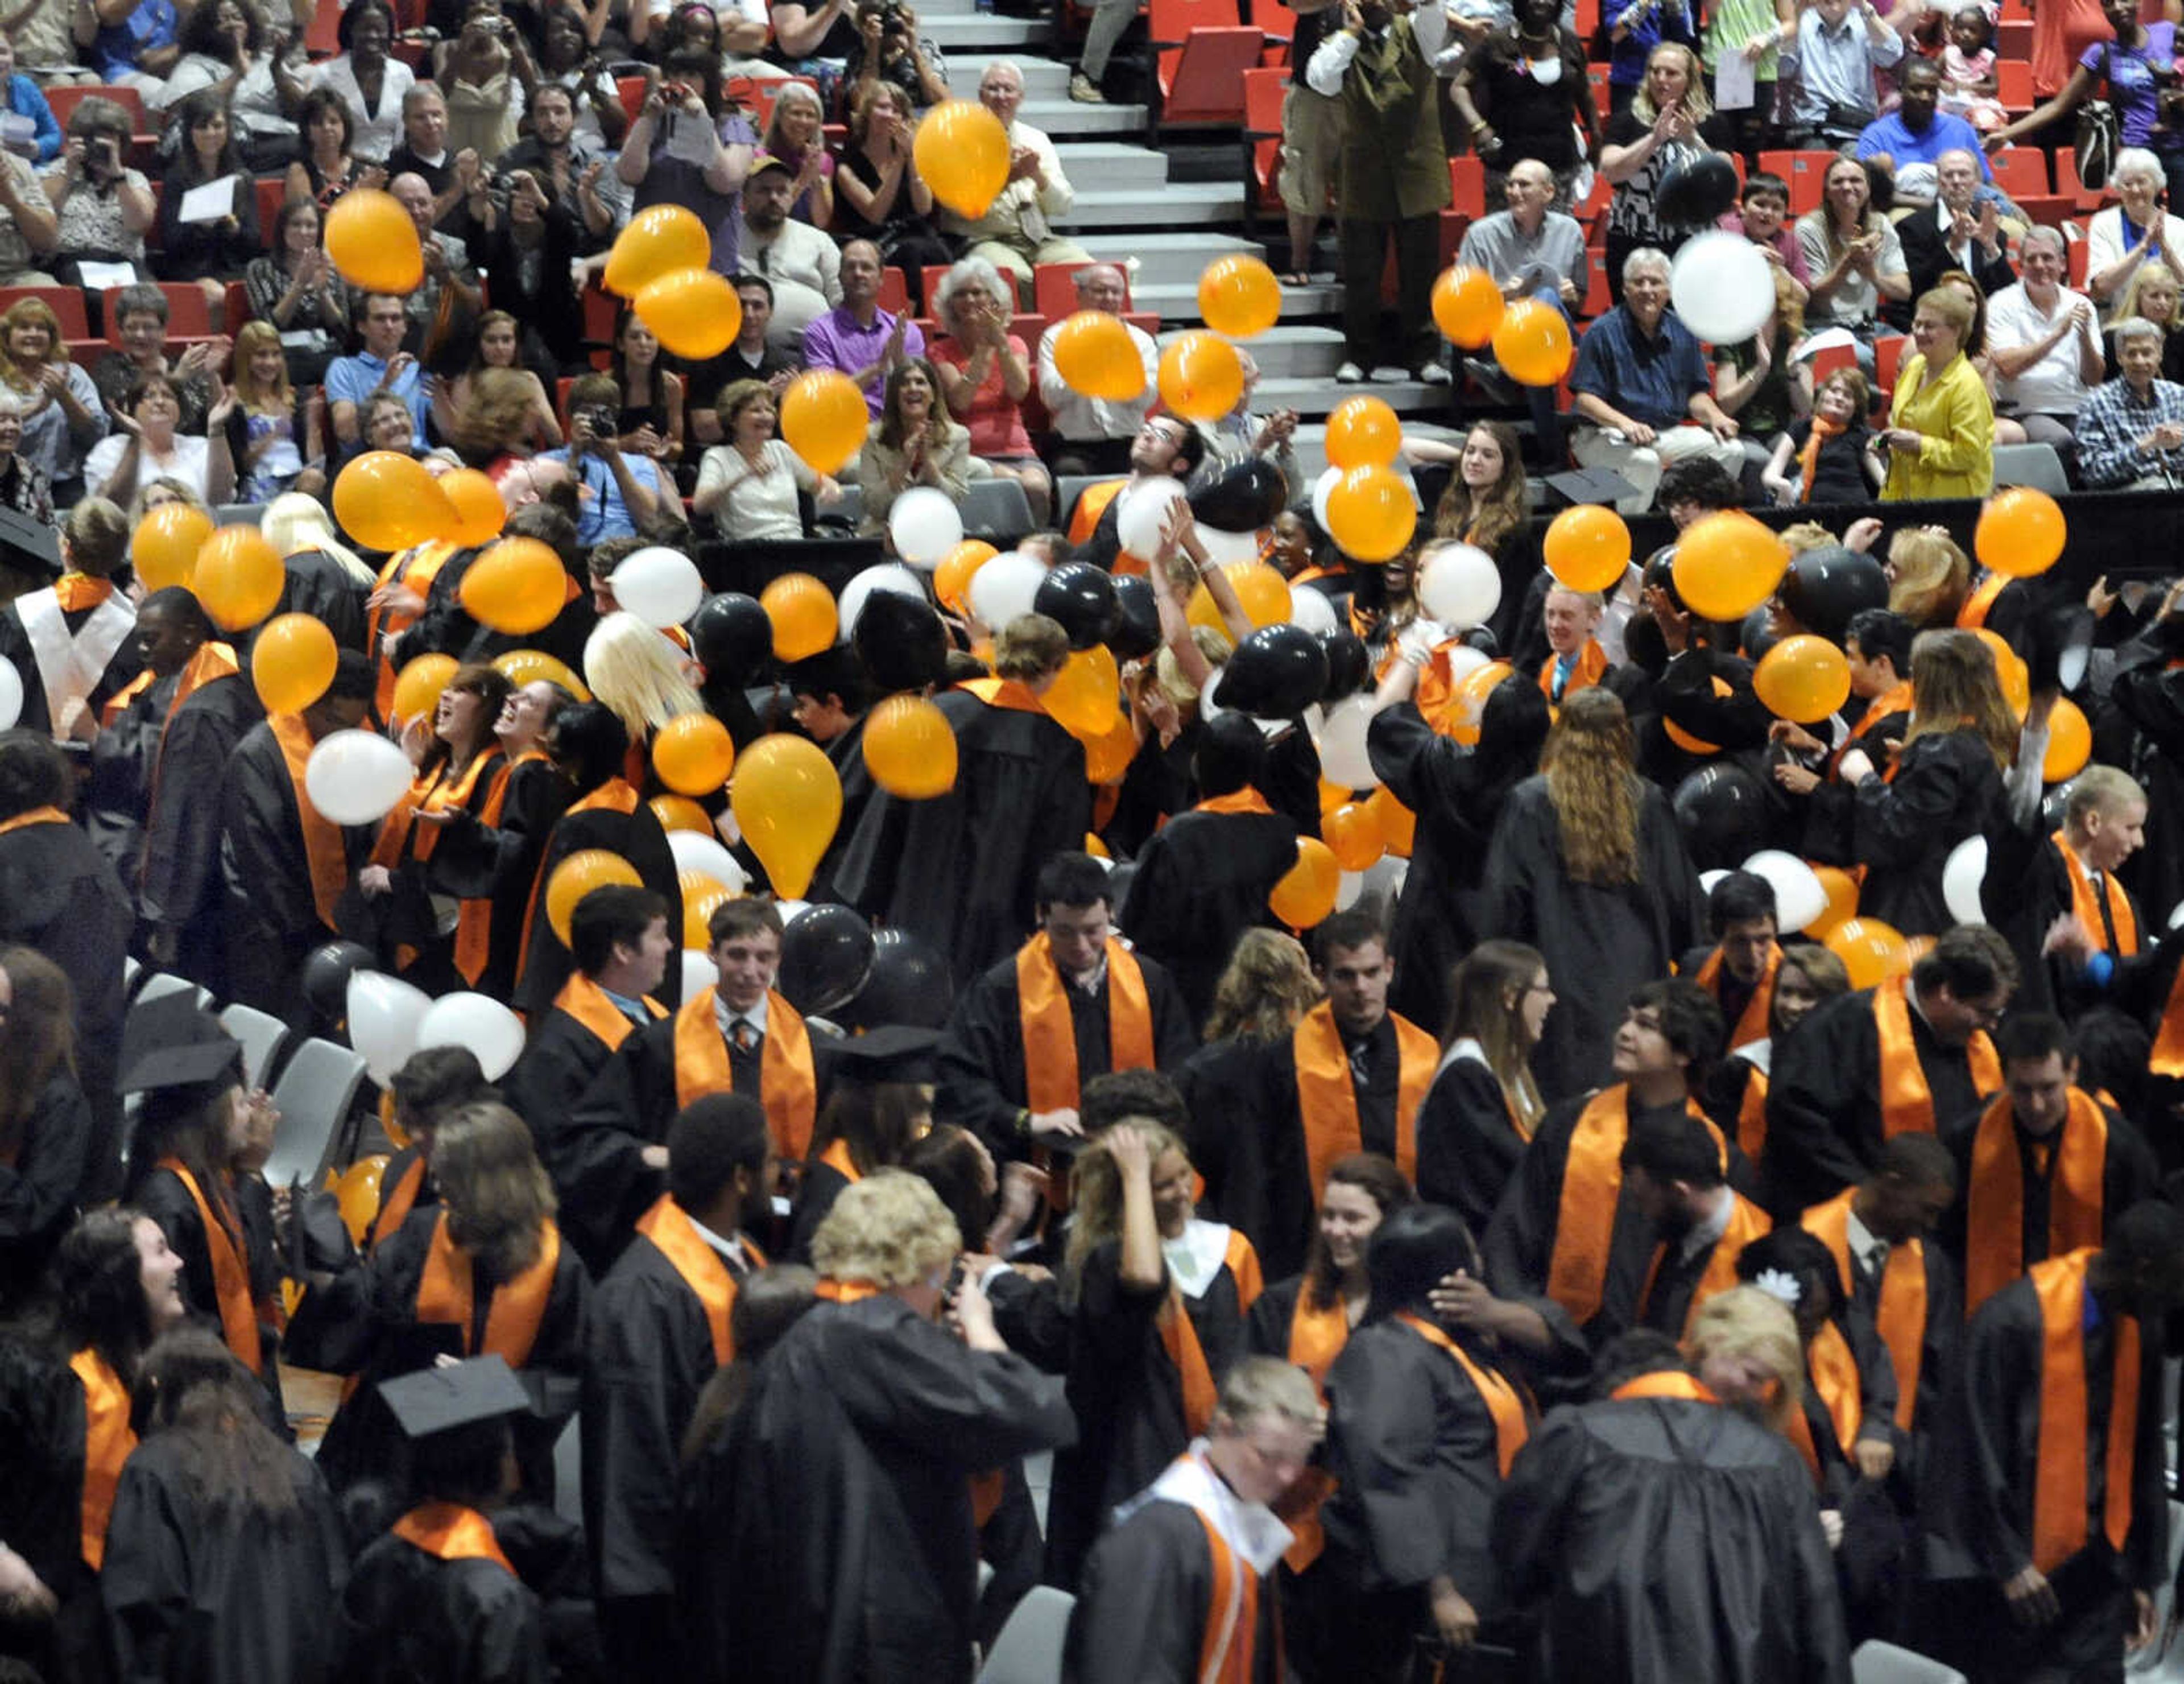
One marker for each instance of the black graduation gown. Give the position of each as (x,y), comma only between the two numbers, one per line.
(499,863)
(118,789)
(1202,879)
(847,754)
(38,1188)
(2148,692)
(1669,1538)
(15,648)
(1156,786)
(2128,1174)
(848,1469)
(1147,1593)
(1683,694)
(316,584)
(637,838)
(1946,788)
(160,1194)
(58,895)
(1876,1393)
(1600,943)
(410,1618)
(2042,893)
(554,1070)
(446,627)
(1467,1147)
(1824,1124)
(180,887)
(42,1423)
(981,1059)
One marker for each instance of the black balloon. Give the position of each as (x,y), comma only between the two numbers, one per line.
(1275,674)
(908,983)
(326,973)
(826,953)
(731,634)
(1757,636)
(1824,587)
(1137,632)
(1244,499)
(900,642)
(1697,193)
(1080,599)
(1721,811)
(1348,664)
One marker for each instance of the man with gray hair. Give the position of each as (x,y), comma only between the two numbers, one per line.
(2044,342)
(1016,231)
(1096,432)
(1644,397)
(1963,230)
(2130,432)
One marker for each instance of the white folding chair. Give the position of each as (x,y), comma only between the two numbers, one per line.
(1879,1663)
(261,1033)
(314,1097)
(1028,1650)
(161,984)
(2166,1665)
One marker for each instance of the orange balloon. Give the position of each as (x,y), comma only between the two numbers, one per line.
(1262,590)
(1371,514)
(951,579)
(1841,890)
(1467,306)
(910,748)
(238,578)
(680,812)
(802,611)
(787,802)
(293,662)
(1238,295)
(1083,697)
(1095,847)
(1532,343)
(1468,708)
(521,666)
(1201,378)
(1096,357)
(694,753)
(1306,894)
(2020,532)
(1399,825)
(823,419)
(2069,742)
(578,876)
(1352,835)
(519,586)
(694,883)
(1802,678)
(658,241)
(698,907)
(694,312)
(418,685)
(164,549)
(1332,795)
(1362,433)
(962,152)
(1871,950)
(479,512)
(1727,564)
(357,1193)
(1587,547)
(385,500)
(1108,756)
(371,239)
(2010,671)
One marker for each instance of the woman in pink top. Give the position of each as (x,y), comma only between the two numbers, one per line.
(985,374)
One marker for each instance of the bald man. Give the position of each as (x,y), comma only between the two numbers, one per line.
(1096,432)
(447,258)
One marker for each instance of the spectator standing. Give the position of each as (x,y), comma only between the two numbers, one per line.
(1940,439)
(1838,46)
(1096,433)
(1635,29)
(1853,255)
(804,265)
(226,51)
(1669,126)
(1962,232)
(1756,31)
(685,149)
(857,337)
(879,194)
(100,206)
(370,83)
(297,289)
(2044,342)
(985,375)
(1521,94)
(1311,138)
(483,72)
(2130,432)
(2136,230)
(1017,229)
(577,176)
(888,48)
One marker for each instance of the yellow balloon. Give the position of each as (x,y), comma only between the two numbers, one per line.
(823,419)
(1083,697)
(680,812)
(910,748)
(1238,295)
(1362,433)
(479,512)
(1371,514)
(1467,306)
(787,800)
(1802,678)
(1201,376)
(293,662)
(963,154)
(164,549)
(1727,564)
(803,613)
(693,753)
(357,1193)
(385,500)
(2010,671)
(238,578)
(694,312)
(1096,356)
(1871,951)
(371,239)
(417,687)
(1532,343)
(2069,742)
(658,240)
(2021,532)
(578,876)
(699,906)
(1108,756)
(519,586)
(952,578)
(1262,590)
(1587,547)
(521,666)
(1306,894)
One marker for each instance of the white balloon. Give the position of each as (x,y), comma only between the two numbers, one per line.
(1221,546)
(1342,756)
(1721,287)
(384,1016)
(659,585)
(1003,588)
(698,973)
(1209,698)
(693,850)
(1312,609)
(356,776)
(1962,874)
(925,524)
(2176,916)
(1798,897)
(887,576)
(790,910)
(11,695)
(1459,586)
(1320,487)
(1462,660)
(1348,886)
(1140,510)
(478,1021)
(1709,878)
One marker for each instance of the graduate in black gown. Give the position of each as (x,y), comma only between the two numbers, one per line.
(445,626)
(71,640)
(1483,1107)
(878,1103)
(433,1082)
(2148,694)
(45,1128)
(2075,871)
(830,696)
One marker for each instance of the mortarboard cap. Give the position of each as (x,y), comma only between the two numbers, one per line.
(895,1052)
(436,1400)
(202,1063)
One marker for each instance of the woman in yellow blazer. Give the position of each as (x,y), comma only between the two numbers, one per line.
(1940,423)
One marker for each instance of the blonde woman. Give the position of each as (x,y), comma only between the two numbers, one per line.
(2153,293)
(635,671)
(1484,1105)
(1928,577)
(1939,439)
(1587,865)
(325,577)
(1744,1348)
(1671,125)
(278,445)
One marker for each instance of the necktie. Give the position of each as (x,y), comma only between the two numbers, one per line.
(745,1035)
(2040,1155)
(2109,943)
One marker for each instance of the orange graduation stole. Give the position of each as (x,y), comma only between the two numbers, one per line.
(24,821)
(1050,1037)
(1228,1650)
(323,852)
(787,1089)
(474,917)
(439,794)
(2167,1059)
(1896,699)
(1591,664)
(1683,740)
(1244,800)
(107,1443)
(837,1158)
(1907,1102)
(701,1268)
(1994,1200)
(2087,909)
(231,1276)
(1976,607)
(586,1001)
(1318,1333)
(1752,1022)
(1901,1316)
(212,660)
(1746,1223)
(396,1203)
(613,796)
(2058,1492)
(415,570)
(1751,1115)
(1503,1402)
(1833,1374)
(1327,1096)
(450,1532)
(1179,1338)
(1664,1383)
(1007,692)
(519,1304)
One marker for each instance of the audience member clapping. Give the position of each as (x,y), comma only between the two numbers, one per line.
(2044,342)
(985,374)
(330,165)
(296,289)
(879,194)
(748,485)
(64,414)
(227,51)
(1853,254)
(912,444)
(370,83)
(148,442)
(2131,432)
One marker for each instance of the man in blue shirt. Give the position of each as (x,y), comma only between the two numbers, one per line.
(382,366)
(1917,131)
(1644,397)
(620,491)
(132,45)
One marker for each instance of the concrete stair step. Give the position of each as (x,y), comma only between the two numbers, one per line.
(1289,353)
(1174,203)
(1172,259)
(1044,79)
(969,30)
(1315,397)
(1098,166)
(1060,119)
(1177,301)
(1310,441)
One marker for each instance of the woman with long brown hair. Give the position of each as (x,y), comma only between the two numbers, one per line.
(1587,867)
(865,1125)
(45,1124)
(914,442)
(1484,1105)
(1485,506)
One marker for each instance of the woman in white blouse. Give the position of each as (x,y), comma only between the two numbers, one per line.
(748,485)
(2134,230)
(370,83)
(144,445)
(223,48)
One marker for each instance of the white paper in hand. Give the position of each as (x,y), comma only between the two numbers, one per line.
(210,202)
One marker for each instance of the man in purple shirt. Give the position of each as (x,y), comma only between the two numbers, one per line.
(857,337)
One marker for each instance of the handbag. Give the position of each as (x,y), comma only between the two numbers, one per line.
(2098,136)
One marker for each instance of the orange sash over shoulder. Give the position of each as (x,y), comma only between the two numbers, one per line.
(450,1532)
(1008,692)
(1746,1223)
(704,1270)
(518,1306)
(474,919)
(1244,800)
(212,660)
(1664,1383)
(1907,1102)
(2087,909)
(107,1443)
(2168,1055)
(396,1202)
(1318,1333)
(788,1088)
(1228,1650)
(398,837)
(231,1274)
(1902,1313)
(1753,1023)
(586,1001)
(1592,1184)
(24,821)
(1050,1035)
(2058,1493)
(1327,1097)
(1590,667)
(1994,1199)
(322,838)
(1179,1338)
(1751,1116)
(837,1158)
(1834,1373)
(1503,1402)
(1981,603)
(415,570)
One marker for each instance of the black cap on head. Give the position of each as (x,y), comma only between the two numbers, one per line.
(437,1400)
(205,1064)
(895,1052)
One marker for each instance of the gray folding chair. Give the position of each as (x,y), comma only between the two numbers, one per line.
(161,984)
(315,1092)
(2034,465)
(997,506)
(569,1473)
(261,1033)
(1879,1663)
(1028,1650)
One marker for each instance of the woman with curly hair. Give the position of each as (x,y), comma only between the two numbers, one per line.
(913,443)
(63,415)
(1587,865)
